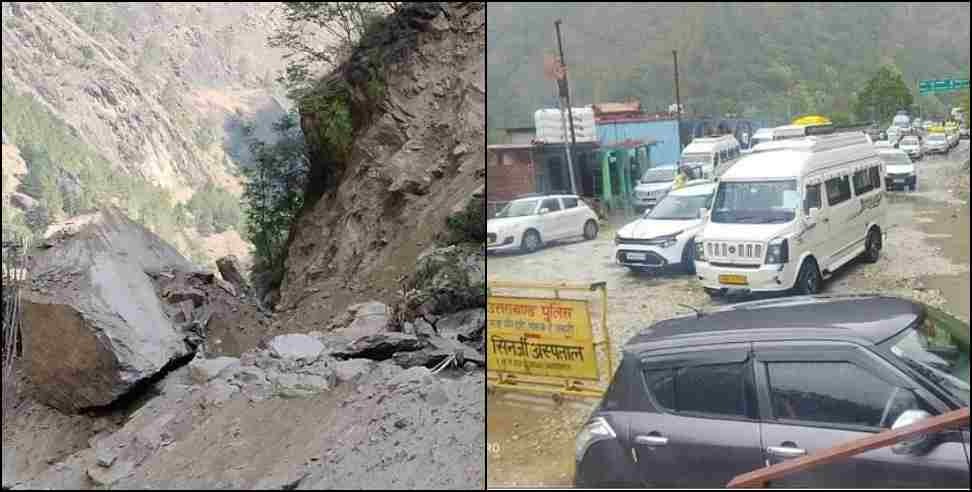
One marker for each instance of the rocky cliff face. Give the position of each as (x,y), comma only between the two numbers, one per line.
(150,86)
(418,152)
(158,91)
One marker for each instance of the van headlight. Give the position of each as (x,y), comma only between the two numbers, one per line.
(699,251)
(778,252)
(596,430)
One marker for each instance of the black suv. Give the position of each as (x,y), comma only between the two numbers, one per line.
(698,400)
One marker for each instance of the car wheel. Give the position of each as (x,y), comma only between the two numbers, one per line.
(872,253)
(531,241)
(809,281)
(688,258)
(590,230)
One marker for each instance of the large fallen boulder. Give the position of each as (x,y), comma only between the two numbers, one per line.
(94,324)
(229,267)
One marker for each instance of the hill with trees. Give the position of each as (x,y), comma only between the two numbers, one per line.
(765,61)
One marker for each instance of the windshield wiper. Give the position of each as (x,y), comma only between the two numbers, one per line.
(935,377)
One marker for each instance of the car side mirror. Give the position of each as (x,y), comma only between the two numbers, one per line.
(544,211)
(916,445)
(703,213)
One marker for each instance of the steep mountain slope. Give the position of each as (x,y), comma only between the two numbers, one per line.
(418,151)
(155,93)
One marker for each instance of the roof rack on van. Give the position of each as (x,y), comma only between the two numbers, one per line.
(543,194)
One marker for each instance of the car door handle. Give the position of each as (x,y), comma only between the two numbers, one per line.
(826,220)
(653,441)
(785,452)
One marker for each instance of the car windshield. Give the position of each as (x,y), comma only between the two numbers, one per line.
(892,159)
(909,141)
(759,202)
(518,209)
(939,351)
(679,207)
(696,158)
(936,138)
(659,175)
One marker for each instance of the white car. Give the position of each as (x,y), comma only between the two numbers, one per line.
(665,235)
(899,169)
(912,146)
(529,222)
(936,143)
(653,186)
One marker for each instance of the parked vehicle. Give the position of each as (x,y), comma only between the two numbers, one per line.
(714,154)
(936,143)
(665,236)
(762,135)
(912,146)
(900,170)
(526,224)
(699,400)
(952,135)
(902,122)
(653,186)
(883,144)
(964,132)
(893,135)
(787,217)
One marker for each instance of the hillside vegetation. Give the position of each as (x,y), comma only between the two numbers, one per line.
(764,61)
(138,105)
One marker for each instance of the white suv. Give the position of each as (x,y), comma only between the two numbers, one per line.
(665,235)
(527,223)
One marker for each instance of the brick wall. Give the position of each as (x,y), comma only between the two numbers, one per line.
(509,173)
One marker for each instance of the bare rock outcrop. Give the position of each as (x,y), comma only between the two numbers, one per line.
(418,151)
(96,324)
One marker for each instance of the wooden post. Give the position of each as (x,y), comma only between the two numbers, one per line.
(759,478)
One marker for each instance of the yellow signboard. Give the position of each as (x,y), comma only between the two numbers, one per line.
(541,337)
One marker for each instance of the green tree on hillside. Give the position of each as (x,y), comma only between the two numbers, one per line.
(274,194)
(215,210)
(345,22)
(883,95)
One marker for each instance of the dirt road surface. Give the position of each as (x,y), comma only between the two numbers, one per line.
(926,257)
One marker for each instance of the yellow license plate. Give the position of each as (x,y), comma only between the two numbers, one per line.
(733,280)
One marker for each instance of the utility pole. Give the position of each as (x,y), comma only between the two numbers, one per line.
(564,88)
(565,96)
(570,164)
(678,100)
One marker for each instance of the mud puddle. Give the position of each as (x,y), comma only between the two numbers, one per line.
(949,230)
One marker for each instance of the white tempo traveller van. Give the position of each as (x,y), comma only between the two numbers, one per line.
(788,215)
(713,154)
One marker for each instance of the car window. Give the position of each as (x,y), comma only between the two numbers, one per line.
(551,204)
(829,392)
(570,203)
(876,177)
(838,190)
(811,199)
(661,385)
(718,390)
(864,181)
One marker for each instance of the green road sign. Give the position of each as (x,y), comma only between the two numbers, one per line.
(946,85)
